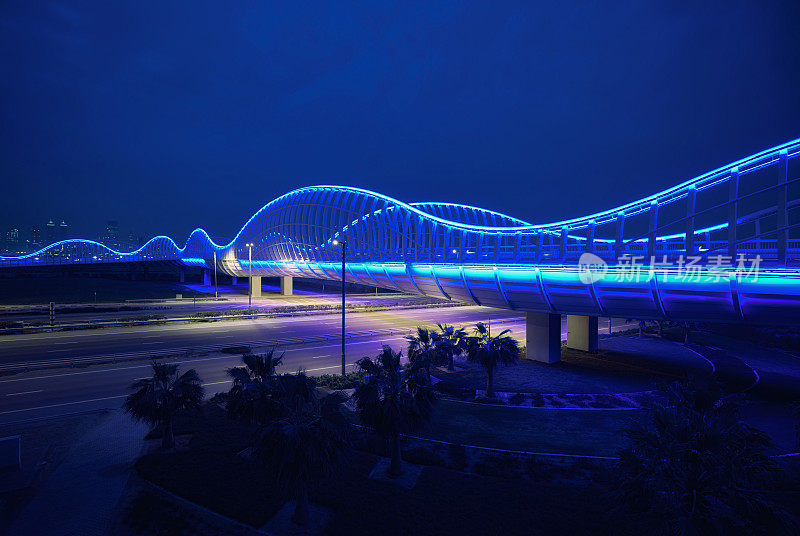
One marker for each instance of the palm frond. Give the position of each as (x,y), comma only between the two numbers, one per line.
(694,465)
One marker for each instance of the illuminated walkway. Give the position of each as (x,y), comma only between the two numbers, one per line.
(723,246)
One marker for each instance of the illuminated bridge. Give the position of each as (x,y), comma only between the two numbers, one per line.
(724,246)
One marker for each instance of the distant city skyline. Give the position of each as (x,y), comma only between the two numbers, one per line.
(24,238)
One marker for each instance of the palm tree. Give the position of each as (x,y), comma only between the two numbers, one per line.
(490,352)
(450,342)
(306,439)
(156,399)
(250,398)
(695,468)
(422,349)
(393,400)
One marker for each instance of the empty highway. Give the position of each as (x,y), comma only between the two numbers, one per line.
(42,393)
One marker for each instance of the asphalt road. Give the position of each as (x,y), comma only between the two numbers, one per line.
(185,307)
(111,341)
(38,394)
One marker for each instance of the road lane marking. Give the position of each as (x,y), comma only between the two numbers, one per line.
(124,396)
(63,404)
(188,361)
(350,344)
(25,393)
(328,368)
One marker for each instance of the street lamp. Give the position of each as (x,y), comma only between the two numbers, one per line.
(250,275)
(344,254)
(216,294)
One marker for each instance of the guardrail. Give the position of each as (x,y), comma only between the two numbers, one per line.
(190,351)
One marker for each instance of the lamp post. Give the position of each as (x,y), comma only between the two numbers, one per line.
(250,275)
(216,294)
(344,254)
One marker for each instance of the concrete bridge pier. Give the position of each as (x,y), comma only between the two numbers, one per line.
(286,285)
(582,332)
(234,280)
(182,276)
(543,337)
(206,277)
(254,283)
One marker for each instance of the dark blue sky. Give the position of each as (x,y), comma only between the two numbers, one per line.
(171,117)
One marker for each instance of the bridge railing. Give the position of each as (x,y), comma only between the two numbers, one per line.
(748,207)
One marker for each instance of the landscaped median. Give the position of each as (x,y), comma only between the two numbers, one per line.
(484,470)
(212,472)
(467,463)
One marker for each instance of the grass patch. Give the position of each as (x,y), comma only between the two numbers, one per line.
(576,373)
(593,433)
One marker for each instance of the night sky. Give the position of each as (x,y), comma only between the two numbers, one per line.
(170,117)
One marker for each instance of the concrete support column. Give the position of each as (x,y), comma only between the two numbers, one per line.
(286,285)
(255,286)
(182,275)
(206,277)
(582,333)
(543,336)
(234,280)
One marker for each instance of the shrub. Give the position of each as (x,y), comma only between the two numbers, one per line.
(337,382)
(695,466)
(236,350)
(228,312)
(484,400)
(143,318)
(206,314)
(516,399)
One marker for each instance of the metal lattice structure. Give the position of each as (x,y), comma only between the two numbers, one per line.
(746,210)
